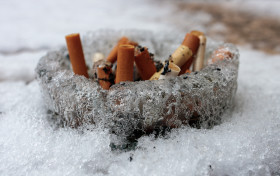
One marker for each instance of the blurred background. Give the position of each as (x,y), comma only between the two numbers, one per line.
(32,27)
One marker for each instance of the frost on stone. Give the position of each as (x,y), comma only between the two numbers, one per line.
(131,109)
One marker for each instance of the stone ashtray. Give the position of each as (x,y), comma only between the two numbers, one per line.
(131,109)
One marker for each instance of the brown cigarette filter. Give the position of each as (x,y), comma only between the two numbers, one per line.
(186,66)
(112,57)
(192,42)
(105,76)
(197,33)
(199,60)
(125,63)
(145,64)
(76,54)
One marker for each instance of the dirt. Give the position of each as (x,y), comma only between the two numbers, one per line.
(242,27)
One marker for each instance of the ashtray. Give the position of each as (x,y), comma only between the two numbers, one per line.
(131,109)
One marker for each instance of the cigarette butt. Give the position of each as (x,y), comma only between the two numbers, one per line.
(197,33)
(181,55)
(169,70)
(192,42)
(199,60)
(125,63)
(186,66)
(145,65)
(156,75)
(112,57)
(186,50)
(76,54)
(221,54)
(98,59)
(105,76)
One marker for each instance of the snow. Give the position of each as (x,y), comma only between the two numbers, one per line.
(19,67)
(246,143)
(48,22)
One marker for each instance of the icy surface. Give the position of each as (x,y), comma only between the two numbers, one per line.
(138,107)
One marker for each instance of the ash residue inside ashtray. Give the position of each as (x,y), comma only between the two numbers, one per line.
(141,107)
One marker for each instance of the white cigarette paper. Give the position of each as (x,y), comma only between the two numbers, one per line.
(174,70)
(181,55)
(199,61)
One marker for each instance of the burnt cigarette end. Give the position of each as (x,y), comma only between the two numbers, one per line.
(142,49)
(195,72)
(166,68)
(152,56)
(111,79)
(106,70)
(185,77)
(218,69)
(103,79)
(122,83)
(159,65)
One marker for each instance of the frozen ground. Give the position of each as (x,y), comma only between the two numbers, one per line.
(247,143)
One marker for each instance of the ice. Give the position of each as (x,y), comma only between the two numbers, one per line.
(131,109)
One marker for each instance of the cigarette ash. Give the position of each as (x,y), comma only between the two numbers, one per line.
(111,79)
(132,109)
(107,70)
(142,49)
(159,65)
(166,68)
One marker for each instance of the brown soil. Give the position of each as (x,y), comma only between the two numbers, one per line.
(261,32)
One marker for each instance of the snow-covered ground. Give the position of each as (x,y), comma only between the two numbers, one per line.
(247,143)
